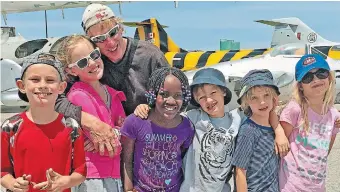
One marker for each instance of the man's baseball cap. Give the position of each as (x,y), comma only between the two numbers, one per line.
(210,76)
(262,77)
(309,62)
(40,58)
(95,13)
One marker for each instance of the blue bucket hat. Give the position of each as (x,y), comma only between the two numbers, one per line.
(256,78)
(309,62)
(210,76)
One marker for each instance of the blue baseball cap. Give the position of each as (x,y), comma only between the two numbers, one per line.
(309,62)
(257,77)
(210,76)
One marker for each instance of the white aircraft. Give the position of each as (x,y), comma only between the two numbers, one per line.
(287,30)
(281,61)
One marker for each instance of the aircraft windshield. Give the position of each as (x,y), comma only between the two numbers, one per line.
(289,49)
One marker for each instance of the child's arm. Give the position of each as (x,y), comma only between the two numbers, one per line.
(241,180)
(331,143)
(127,166)
(80,98)
(335,131)
(246,141)
(89,122)
(7,179)
(288,128)
(142,111)
(289,117)
(337,123)
(281,141)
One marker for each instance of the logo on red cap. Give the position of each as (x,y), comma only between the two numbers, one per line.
(309,60)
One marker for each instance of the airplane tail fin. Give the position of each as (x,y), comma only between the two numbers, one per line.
(150,30)
(292,30)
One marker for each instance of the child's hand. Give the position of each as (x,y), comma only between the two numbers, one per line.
(59,182)
(281,142)
(337,123)
(55,182)
(89,146)
(21,183)
(44,185)
(142,111)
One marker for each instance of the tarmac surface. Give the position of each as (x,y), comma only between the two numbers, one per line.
(333,175)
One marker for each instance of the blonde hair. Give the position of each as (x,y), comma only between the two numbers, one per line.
(67,46)
(300,98)
(108,23)
(247,96)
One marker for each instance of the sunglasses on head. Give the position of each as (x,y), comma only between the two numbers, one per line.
(320,74)
(101,38)
(83,62)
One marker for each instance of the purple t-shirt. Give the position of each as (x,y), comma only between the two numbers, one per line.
(157,155)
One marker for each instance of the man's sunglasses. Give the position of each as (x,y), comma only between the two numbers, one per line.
(83,62)
(101,38)
(320,74)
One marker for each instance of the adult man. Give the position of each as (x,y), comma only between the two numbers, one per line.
(128,64)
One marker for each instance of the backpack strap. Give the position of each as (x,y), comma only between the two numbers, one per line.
(11,126)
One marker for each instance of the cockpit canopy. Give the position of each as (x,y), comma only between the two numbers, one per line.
(290,49)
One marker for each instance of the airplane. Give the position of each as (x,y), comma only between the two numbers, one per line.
(179,58)
(287,30)
(281,61)
(17,48)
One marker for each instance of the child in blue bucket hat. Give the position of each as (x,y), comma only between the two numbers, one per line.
(255,159)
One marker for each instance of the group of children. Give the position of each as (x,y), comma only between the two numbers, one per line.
(164,147)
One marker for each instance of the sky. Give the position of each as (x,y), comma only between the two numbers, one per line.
(194,25)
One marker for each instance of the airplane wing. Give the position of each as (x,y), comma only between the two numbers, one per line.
(269,22)
(8,7)
(136,24)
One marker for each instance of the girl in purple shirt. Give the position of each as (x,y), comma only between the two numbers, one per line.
(153,148)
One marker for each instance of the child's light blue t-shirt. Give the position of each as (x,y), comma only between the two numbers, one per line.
(208,160)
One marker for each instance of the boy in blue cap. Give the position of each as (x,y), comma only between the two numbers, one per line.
(254,158)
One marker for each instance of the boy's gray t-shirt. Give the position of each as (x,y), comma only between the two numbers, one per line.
(208,160)
(255,153)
